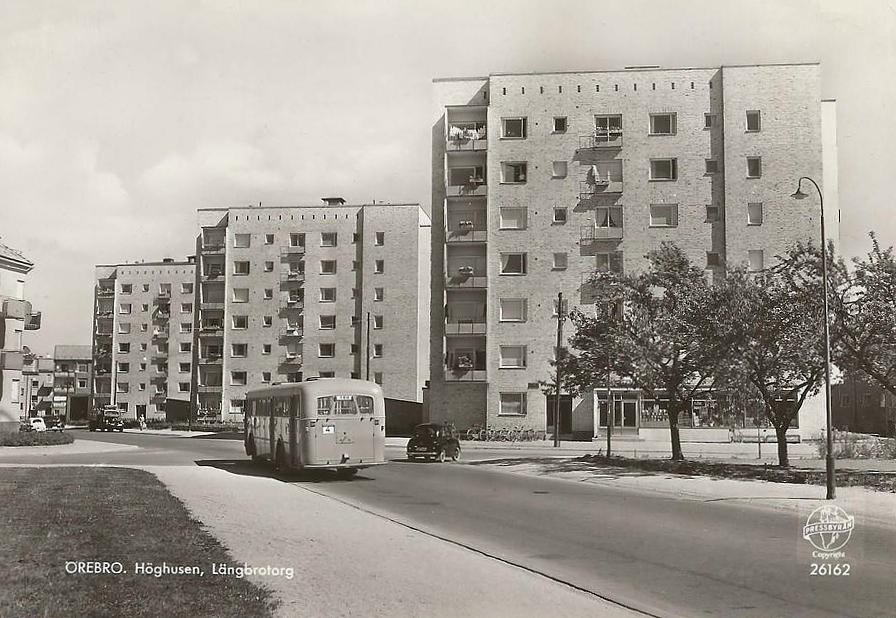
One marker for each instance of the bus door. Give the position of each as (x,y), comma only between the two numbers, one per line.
(295,455)
(272,428)
(325,432)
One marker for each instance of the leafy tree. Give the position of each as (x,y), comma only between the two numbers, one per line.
(659,343)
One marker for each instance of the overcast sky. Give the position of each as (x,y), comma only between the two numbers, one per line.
(119,119)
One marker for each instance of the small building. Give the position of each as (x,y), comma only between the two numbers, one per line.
(861,405)
(71,381)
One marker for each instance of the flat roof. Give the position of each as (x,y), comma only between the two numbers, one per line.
(630,70)
(227,208)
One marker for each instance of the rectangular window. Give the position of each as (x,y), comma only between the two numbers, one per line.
(186,307)
(124,328)
(268,267)
(124,367)
(326,350)
(663,215)
(513,357)
(712,166)
(184,367)
(267,321)
(753,121)
(328,295)
(378,294)
(266,377)
(663,124)
(82,383)
(377,350)
(146,287)
(122,387)
(513,128)
(377,322)
(664,169)
(513,172)
(239,350)
(126,288)
(240,322)
(186,346)
(512,310)
(559,169)
(608,262)
(708,120)
(241,267)
(269,239)
(466,175)
(186,288)
(268,293)
(327,322)
(560,124)
(513,263)
(379,266)
(162,309)
(296,240)
(561,261)
(328,239)
(560,214)
(241,241)
(238,378)
(356,237)
(756,258)
(266,349)
(328,267)
(713,259)
(379,239)
(124,348)
(512,218)
(378,377)
(754,213)
(712,213)
(240,295)
(754,167)
(186,327)
(124,308)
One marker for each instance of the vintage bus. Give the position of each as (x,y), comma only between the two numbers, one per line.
(334,423)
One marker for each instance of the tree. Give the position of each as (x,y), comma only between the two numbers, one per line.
(773,320)
(658,343)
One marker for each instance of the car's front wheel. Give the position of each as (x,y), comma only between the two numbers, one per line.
(456,455)
(443,456)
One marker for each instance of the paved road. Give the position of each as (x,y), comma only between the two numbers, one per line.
(667,555)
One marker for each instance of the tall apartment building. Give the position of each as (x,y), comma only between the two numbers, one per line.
(36,389)
(16,316)
(541,179)
(334,290)
(71,384)
(143,354)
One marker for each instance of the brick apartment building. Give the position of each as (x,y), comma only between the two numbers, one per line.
(538,180)
(71,381)
(290,293)
(143,354)
(16,316)
(36,389)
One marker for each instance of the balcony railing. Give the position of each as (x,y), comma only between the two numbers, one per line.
(161,316)
(292,303)
(160,333)
(289,252)
(465,326)
(292,277)
(103,334)
(466,226)
(466,279)
(605,186)
(291,359)
(209,388)
(211,359)
(211,330)
(211,275)
(466,136)
(32,320)
(213,245)
(159,396)
(590,233)
(473,188)
(207,305)
(105,292)
(465,375)
(601,139)
(291,331)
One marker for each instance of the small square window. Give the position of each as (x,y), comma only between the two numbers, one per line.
(754,167)
(513,263)
(144,328)
(378,377)
(328,267)
(377,322)
(268,293)
(663,169)
(269,239)
(124,308)
(513,356)
(146,287)
(356,237)
(514,172)
(327,322)
(560,261)
(267,321)
(124,348)
(356,320)
(512,218)
(712,166)
(183,367)
(296,240)
(512,310)
(713,259)
(186,307)
(354,348)
(559,169)
(268,267)
(238,378)
(241,241)
(145,307)
(756,258)
(379,266)
(708,120)
(126,288)
(239,350)
(378,294)
(560,214)
(754,213)
(240,295)
(328,239)
(753,121)
(326,350)
(327,295)
(712,213)
(380,239)
(663,124)
(560,124)
(186,288)
(186,327)
(240,322)
(663,215)
(513,128)
(241,267)
(266,348)
(266,376)
(377,350)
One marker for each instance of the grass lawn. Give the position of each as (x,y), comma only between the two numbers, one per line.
(49,516)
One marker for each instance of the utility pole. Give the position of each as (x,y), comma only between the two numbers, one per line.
(611,409)
(561,316)
(367,375)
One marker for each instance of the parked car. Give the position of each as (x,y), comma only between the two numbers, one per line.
(106,420)
(434,441)
(55,423)
(33,424)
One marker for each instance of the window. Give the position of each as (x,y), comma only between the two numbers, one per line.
(756,257)
(663,215)
(754,213)
(240,295)
(355,292)
(712,213)
(241,241)
(608,262)
(144,328)
(560,214)
(356,265)
(146,287)
(183,387)
(664,169)
(379,266)
(708,120)
(513,263)
(268,293)
(513,128)
(328,239)
(238,378)
(268,267)
(327,322)
(377,322)
(512,310)
(124,348)
(754,167)
(240,322)
(378,294)
(379,239)
(513,357)
(753,121)
(560,124)
(356,320)
(713,259)
(145,308)
(663,124)
(558,169)
(186,288)
(124,308)
(328,295)
(269,239)
(356,237)
(124,367)
(82,383)
(266,376)
(124,328)
(378,377)
(377,350)
(513,172)
(126,288)
(328,267)
(712,166)
(267,321)
(560,261)
(239,350)
(186,346)
(266,349)
(326,350)
(184,367)
(123,387)
(186,307)
(186,327)
(241,267)
(354,348)
(512,218)
(466,175)
(296,240)
(512,404)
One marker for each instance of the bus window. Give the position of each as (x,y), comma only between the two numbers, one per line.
(345,404)
(281,407)
(323,406)
(365,404)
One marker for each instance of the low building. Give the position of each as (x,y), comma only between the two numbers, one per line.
(36,388)
(858,404)
(72,377)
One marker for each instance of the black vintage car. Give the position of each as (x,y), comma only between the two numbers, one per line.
(106,420)
(434,441)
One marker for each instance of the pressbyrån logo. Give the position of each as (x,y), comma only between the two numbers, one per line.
(828,528)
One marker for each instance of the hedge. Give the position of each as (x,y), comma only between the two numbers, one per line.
(35,438)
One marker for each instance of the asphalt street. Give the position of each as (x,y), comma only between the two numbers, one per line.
(664,554)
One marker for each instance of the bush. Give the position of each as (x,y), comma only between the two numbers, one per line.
(858,446)
(35,438)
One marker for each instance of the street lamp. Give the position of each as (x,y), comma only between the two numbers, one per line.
(829,460)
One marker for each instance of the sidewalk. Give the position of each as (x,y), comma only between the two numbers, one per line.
(171,432)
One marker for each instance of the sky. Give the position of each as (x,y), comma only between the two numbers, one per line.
(119,119)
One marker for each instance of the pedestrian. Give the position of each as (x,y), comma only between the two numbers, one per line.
(142,422)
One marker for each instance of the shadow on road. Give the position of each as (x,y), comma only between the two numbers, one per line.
(245,467)
(221,435)
(552,465)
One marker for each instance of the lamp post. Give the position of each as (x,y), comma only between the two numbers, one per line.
(561,316)
(829,460)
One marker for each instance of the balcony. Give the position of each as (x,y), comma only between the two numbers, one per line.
(466,226)
(600,187)
(32,321)
(291,359)
(589,233)
(159,397)
(209,388)
(158,355)
(467,136)
(105,292)
(210,305)
(291,331)
(611,138)
(213,245)
(211,330)
(475,187)
(465,375)
(161,316)
(292,304)
(14,308)
(13,360)
(212,274)
(465,326)
(292,277)
(290,252)
(211,359)
(103,334)
(160,333)
(466,277)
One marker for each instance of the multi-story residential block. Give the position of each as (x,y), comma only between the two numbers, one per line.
(72,378)
(36,389)
(287,294)
(144,323)
(539,180)
(859,404)
(16,316)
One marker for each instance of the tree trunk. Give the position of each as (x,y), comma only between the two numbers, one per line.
(783,460)
(673,433)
